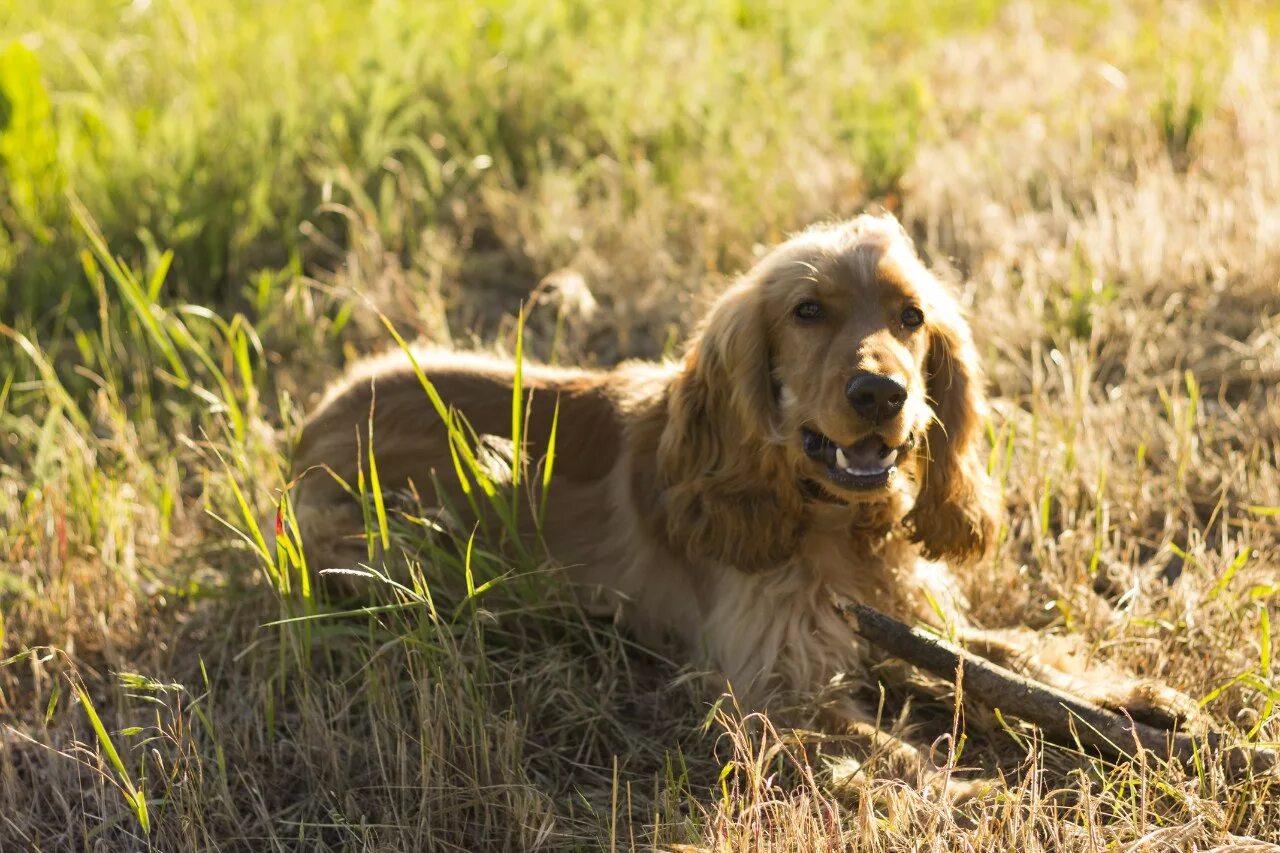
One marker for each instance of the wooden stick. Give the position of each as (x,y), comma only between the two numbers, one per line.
(1064,718)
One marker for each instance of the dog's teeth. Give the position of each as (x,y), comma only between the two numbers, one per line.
(891,458)
(842,461)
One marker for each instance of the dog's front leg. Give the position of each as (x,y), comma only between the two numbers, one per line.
(862,746)
(1060,662)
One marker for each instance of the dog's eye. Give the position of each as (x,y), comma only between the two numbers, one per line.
(912,317)
(808,310)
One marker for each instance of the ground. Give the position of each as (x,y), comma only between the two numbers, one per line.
(206,209)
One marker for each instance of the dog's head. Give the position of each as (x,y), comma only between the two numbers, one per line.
(839,365)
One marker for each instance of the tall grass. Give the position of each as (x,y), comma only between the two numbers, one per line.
(239,137)
(205,209)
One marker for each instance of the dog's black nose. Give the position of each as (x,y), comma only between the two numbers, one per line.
(876,398)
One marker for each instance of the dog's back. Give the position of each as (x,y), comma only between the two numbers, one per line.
(410,442)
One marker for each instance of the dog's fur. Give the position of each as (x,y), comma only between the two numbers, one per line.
(683,495)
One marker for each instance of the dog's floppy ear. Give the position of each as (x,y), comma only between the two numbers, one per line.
(727,492)
(955,515)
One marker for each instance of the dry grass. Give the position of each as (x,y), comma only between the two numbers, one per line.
(1105,182)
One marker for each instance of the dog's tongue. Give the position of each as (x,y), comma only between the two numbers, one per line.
(868,456)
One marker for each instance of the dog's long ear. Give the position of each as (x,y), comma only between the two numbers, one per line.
(955,515)
(727,492)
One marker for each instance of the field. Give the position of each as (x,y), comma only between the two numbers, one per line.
(207,208)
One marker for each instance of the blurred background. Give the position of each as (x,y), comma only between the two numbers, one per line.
(444,158)
(206,206)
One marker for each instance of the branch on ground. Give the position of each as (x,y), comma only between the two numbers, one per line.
(1062,717)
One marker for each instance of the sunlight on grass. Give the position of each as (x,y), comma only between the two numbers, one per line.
(206,209)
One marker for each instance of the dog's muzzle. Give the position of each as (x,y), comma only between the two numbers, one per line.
(864,465)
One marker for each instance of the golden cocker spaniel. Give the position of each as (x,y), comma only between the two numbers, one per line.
(822,434)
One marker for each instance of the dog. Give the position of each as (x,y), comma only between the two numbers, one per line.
(822,435)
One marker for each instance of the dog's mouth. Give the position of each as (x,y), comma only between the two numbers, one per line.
(865,465)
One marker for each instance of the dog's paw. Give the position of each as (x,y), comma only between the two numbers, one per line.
(960,792)
(1149,701)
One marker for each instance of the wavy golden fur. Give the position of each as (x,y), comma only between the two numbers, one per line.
(719,501)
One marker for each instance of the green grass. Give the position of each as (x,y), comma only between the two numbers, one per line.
(207,208)
(218,131)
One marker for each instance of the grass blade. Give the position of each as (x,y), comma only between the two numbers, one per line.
(137,803)
(548,465)
(375,483)
(131,291)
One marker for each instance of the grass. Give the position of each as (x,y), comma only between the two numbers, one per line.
(207,208)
